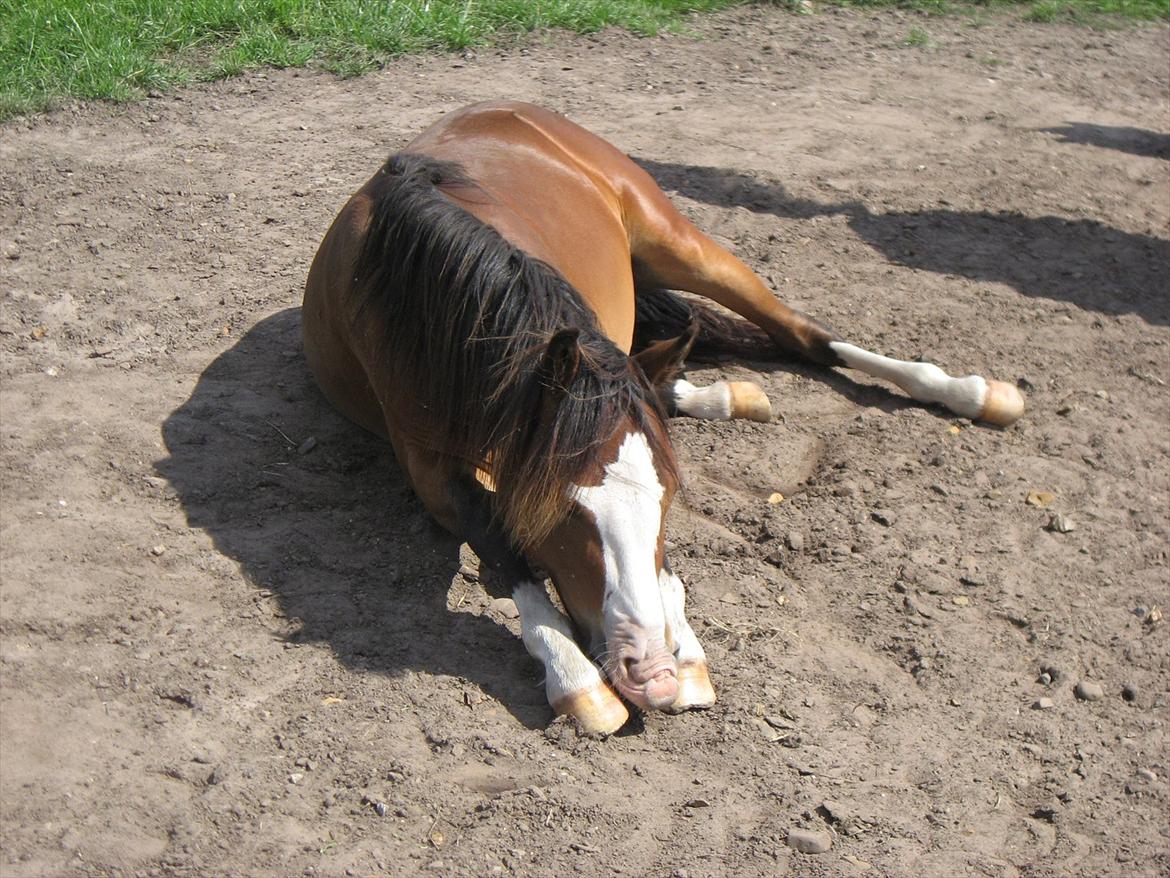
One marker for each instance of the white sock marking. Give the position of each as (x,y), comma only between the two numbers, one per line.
(924,382)
(711,403)
(548,637)
(688,648)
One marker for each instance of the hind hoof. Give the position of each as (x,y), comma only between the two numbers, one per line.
(1003,405)
(748,401)
(695,691)
(596,709)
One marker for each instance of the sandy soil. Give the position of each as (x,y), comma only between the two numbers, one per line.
(226,653)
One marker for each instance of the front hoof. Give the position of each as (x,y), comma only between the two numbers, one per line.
(596,709)
(695,691)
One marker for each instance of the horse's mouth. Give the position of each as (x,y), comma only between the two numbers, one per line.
(658,692)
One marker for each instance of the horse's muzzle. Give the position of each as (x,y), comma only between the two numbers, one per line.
(651,683)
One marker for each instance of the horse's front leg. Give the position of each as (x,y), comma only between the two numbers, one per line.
(721,401)
(573,684)
(695,691)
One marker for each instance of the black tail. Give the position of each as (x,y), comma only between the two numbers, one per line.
(662,314)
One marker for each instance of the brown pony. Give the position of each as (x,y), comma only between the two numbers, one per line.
(477,302)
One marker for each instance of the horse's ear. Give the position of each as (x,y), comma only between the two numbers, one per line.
(561,361)
(663,360)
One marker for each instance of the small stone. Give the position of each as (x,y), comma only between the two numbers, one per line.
(381,809)
(1053,671)
(882,517)
(505,607)
(158,550)
(1043,704)
(307,446)
(809,841)
(1044,679)
(1130,692)
(1061,524)
(961,600)
(698,803)
(1147,775)
(1087,690)
(795,540)
(296,777)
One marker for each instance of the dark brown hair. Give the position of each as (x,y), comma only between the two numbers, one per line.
(467,319)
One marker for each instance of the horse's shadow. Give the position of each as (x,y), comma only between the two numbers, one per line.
(334,532)
(1081,261)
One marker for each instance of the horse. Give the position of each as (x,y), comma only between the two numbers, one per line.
(499,302)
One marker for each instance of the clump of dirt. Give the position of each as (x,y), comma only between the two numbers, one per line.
(234,645)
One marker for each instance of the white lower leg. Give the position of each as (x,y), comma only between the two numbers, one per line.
(971,397)
(573,684)
(694,684)
(721,401)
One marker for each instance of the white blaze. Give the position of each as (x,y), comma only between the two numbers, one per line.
(627,506)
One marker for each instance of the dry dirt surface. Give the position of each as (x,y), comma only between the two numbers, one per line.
(233,645)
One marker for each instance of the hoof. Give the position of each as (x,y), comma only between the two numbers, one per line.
(596,709)
(1003,405)
(695,691)
(748,401)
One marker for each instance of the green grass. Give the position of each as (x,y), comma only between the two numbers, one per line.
(55,50)
(917,37)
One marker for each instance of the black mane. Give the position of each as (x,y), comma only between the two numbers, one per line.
(467,318)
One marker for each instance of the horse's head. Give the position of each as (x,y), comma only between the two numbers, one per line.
(607,557)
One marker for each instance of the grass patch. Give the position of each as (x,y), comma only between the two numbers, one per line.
(54,50)
(917,37)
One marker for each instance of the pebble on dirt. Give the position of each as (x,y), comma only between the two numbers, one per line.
(809,841)
(506,607)
(1043,704)
(1087,690)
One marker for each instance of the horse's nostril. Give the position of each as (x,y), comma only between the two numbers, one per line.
(628,663)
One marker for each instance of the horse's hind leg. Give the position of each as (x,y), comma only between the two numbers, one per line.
(572,683)
(668,251)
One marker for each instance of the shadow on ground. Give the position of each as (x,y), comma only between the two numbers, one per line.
(1082,261)
(1124,138)
(334,532)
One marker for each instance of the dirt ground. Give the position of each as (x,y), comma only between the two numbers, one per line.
(226,652)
